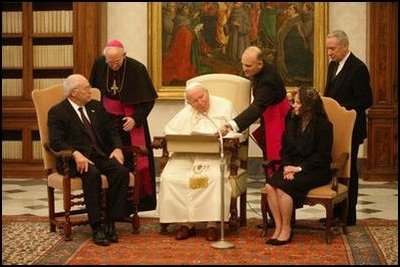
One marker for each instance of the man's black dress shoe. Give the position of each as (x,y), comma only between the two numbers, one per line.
(111,232)
(99,237)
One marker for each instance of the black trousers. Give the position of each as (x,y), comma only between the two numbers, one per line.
(118,180)
(353,187)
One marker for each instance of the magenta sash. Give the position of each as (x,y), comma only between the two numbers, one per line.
(137,139)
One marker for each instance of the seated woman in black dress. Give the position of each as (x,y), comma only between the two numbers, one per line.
(306,158)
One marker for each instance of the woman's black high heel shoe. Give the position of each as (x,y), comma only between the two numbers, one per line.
(270,241)
(283,242)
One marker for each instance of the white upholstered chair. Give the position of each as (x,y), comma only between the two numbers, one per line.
(237,90)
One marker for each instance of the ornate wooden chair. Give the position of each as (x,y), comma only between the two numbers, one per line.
(237,90)
(335,193)
(71,188)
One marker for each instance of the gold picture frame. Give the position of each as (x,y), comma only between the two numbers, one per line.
(170,92)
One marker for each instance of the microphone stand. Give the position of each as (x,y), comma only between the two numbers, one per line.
(221,243)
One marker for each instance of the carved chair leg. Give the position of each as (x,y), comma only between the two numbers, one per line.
(67,229)
(233,220)
(50,194)
(293,220)
(243,211)
(328,229)
(344,211)
(264,214)
(135,193)
(133,200)
(135,220)
(67,209)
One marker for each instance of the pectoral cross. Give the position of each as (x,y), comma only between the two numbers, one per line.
(114,88)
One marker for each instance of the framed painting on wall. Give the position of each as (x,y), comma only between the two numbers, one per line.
(187,39)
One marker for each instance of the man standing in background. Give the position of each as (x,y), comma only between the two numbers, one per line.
(348,82)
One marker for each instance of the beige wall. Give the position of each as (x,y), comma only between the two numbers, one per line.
(352,18)
(128,22)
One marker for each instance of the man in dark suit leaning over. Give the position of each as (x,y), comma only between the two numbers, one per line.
(269,104)
(348,82)
(81,124)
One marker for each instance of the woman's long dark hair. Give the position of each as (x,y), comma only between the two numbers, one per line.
(311,104)
(311,111)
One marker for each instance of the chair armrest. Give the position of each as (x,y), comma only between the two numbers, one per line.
(138,150)
(270,163)
(339,162)
(336,166)
(64,154)
(270,167)
(159,142)
(232,145)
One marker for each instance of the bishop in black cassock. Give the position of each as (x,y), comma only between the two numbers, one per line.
(127,90)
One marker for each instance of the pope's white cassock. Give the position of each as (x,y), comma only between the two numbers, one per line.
(178,200)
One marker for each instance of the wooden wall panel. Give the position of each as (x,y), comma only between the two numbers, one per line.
(382,158)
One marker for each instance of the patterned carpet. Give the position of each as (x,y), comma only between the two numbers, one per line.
(27,240)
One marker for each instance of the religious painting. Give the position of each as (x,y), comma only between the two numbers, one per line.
(188,39)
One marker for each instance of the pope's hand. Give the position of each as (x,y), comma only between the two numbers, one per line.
(224,130)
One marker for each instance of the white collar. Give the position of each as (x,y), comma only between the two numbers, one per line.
(74,105)
(341,63)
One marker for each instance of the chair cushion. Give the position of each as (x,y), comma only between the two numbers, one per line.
(55,180)
(238,182)
(326,191)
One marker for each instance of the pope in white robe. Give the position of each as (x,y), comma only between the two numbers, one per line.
(190,183)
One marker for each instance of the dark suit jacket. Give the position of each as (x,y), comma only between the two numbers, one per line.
(67,132)
(268,89)
(352,89)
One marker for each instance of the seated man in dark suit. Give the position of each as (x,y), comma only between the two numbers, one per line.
(82,125)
